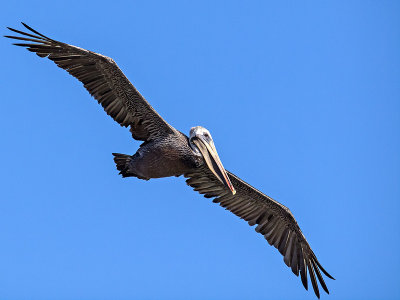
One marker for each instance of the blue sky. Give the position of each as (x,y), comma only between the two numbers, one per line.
(302,100)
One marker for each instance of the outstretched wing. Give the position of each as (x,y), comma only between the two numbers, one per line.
(104,80)
(274,221)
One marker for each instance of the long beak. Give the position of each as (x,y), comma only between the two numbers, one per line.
(211,157)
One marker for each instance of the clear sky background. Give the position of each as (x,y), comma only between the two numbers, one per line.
(302,99)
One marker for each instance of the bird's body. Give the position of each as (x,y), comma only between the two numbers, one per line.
(165,157)
(166,152)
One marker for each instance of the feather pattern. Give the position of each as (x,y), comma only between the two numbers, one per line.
(274,221)
(104,80)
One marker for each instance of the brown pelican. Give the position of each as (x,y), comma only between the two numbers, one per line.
(166,151)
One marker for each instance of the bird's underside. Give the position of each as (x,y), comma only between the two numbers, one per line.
(170,156)
(167,152)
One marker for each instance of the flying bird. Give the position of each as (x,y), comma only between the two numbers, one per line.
(165,152)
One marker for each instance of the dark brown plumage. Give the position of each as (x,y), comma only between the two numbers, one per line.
(103,79)
(274,221)
(166,151)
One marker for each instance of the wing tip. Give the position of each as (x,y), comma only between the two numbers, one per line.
(26,26)
(321,268)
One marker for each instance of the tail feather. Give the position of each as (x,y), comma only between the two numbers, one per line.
(122,161)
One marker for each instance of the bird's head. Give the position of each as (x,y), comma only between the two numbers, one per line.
(201,141)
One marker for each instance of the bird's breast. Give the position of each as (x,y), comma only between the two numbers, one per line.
(171,156)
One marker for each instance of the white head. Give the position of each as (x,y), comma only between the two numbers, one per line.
(200,131)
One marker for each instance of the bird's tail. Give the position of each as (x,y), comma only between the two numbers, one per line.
(123,161)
